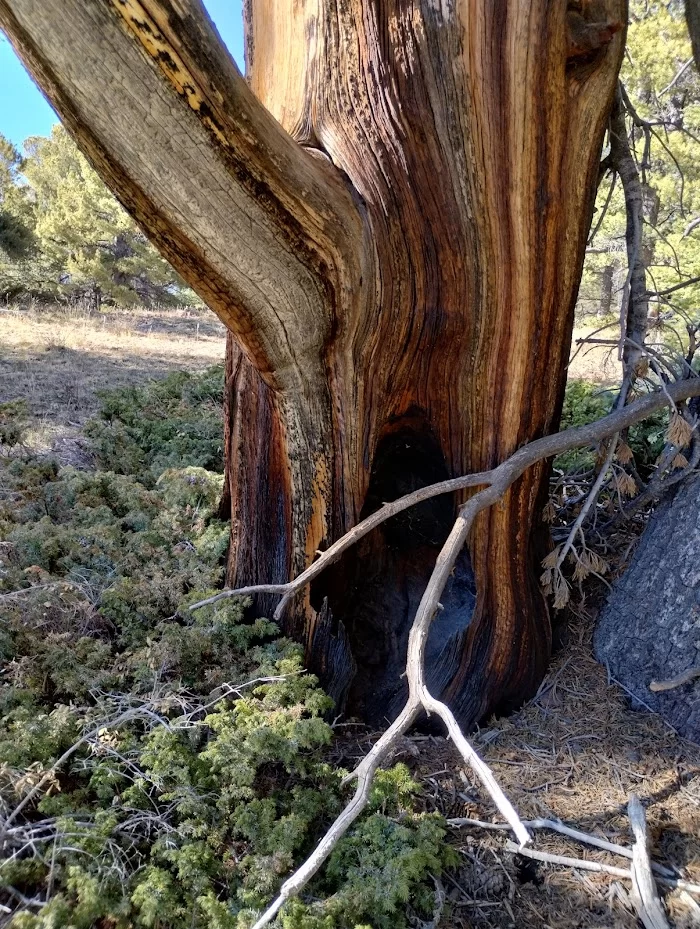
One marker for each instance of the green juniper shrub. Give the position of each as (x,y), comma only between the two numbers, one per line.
(171,423)
(14,416)
(195,772)
(585,402)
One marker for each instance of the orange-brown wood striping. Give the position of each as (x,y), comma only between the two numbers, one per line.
(473,143)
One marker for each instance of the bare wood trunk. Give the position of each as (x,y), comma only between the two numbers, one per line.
(473,140)
(397,259)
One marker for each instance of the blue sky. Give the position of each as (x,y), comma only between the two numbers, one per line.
(23,110)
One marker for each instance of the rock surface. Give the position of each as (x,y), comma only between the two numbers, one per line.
(650,628)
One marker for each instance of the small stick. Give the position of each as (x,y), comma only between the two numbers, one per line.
(687,676)
(584,865)
(51,772)
(581,863)
(644,893)
(555,826)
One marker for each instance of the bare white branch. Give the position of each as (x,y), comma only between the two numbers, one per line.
(503,476)
(644,893)
(585,838)
(497,483)
(585,865)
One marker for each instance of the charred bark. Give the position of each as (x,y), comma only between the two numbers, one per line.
(396,254)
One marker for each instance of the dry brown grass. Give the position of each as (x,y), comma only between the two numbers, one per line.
(57,359)
(577,751)
(598,363)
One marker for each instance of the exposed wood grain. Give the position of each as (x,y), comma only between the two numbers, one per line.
(644,893)
(254,223)
(472,137)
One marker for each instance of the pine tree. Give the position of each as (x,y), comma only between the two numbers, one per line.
(16,239)
(63,233)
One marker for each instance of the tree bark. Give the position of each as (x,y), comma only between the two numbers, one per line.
(692,18)
(391,219)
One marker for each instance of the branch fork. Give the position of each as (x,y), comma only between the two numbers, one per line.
(495,483)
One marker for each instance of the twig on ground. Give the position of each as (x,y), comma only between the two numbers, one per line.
(684,678)
(440,897)
(10,595)
(555,826)
(644,893)
(584,865)
(48,775)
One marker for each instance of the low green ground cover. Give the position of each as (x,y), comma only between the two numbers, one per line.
(158,767)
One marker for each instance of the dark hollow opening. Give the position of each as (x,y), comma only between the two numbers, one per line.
(373,592)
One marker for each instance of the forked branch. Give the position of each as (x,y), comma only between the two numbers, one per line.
(497,482)
(502,477)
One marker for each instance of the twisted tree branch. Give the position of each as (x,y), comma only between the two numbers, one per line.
(498,480)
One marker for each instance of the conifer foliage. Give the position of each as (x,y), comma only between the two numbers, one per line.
(63,234)
(159,767)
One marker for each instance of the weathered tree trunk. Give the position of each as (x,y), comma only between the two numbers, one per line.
(398,270)
(649,630)
(692,17)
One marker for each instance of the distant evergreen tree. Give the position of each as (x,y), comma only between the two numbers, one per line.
(664,88)
(16,221)
(63,234)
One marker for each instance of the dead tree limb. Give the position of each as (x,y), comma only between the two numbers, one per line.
(554,825)
(644,893)
(678,75)
(419,698)
(502,476)
(635,303)
(584,865)
(675,287)
(498,480)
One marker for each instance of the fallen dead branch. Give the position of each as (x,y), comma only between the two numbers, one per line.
(584,865)
(585,838)
(497,482)
(51,772)
(644,893)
